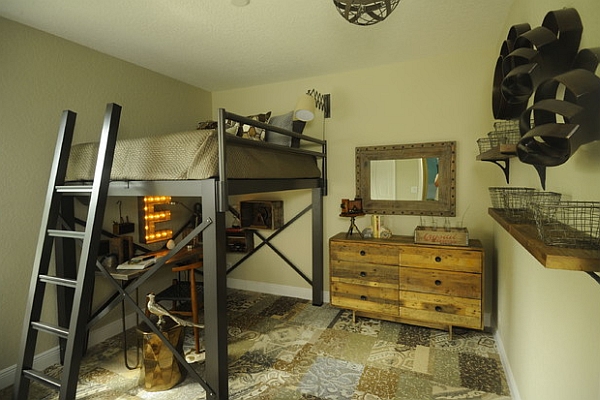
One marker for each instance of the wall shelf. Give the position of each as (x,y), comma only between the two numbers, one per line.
(549,256)
(502,152)
(500,155)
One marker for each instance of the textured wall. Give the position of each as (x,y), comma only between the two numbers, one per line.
(40,76)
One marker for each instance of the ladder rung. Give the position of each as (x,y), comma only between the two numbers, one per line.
(66,233)
(42,378)
(72,283)
(75,189)
(59,216)
(55,330)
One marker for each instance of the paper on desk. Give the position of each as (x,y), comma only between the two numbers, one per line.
(137,263)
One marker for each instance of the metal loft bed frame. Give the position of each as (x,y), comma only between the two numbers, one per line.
(214,193)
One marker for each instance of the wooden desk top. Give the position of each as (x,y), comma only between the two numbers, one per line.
(182,256)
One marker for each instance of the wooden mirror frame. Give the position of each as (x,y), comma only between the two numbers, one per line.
(445,205)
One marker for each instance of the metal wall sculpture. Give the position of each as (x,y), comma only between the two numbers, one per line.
(545,62)
(530,56)
(564,115)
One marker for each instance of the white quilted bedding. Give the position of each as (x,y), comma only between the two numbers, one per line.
(188,155)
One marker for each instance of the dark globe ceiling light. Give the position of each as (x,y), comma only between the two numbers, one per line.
(365,12)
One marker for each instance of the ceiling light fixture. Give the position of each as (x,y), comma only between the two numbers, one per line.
(365,12)
(240,3)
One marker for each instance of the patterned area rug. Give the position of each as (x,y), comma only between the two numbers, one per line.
(286,348)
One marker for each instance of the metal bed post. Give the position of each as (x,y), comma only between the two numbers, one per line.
(215,292)
(317,246)
(317,228)
(222,188)
(214,193)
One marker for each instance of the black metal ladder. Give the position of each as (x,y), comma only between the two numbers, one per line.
(76,286)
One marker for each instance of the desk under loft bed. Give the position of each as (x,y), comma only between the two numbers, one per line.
(220,154)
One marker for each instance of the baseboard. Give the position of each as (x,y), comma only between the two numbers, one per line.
(41,361)
(271,288)
(510,379)
(52,356)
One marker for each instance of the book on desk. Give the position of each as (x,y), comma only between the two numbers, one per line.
(138,263)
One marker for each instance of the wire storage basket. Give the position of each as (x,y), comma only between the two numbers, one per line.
(573,224)
(517,201)
(497,197)
(541,199)
(487,143)
(506,132)
(513,201)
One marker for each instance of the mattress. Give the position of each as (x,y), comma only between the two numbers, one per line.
(186,156)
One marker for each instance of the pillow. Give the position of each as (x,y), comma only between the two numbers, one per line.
(281,121)
(252,132)
(287,122)
(230,126)
(207,125)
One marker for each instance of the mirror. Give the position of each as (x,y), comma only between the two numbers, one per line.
(413,179)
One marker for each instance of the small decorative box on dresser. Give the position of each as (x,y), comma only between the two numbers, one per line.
(397,280)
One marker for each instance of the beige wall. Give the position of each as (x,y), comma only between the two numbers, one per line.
(548,320)
(433,99)
(41,75)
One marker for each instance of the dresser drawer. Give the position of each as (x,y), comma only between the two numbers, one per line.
(449,283)
(445,310)
(364,298)
(440,258)
(364,274)
(360,252)
(397,280)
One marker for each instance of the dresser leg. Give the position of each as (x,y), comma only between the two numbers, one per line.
(450,331)
(353,316)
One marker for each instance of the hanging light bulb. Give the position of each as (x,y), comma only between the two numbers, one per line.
(365,12)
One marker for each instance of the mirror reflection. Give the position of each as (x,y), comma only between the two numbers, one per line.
(410,179)
(407,179)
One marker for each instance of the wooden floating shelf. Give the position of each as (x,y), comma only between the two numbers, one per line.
(552,257)
(502,152)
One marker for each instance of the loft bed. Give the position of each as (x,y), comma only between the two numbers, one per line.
(210,165)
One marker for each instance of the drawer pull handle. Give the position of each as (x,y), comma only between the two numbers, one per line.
(363,297)
(363,253)
(438,308)
(438,282)
(363,274)
(438,259)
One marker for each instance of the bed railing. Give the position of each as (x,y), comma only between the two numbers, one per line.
(224,138)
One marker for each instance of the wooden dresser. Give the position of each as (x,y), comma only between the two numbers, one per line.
(398,280)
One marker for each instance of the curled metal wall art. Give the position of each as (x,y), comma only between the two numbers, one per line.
(545,62)
(530,56)
(564,115)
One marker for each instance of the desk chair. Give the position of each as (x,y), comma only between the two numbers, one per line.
(182,292)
